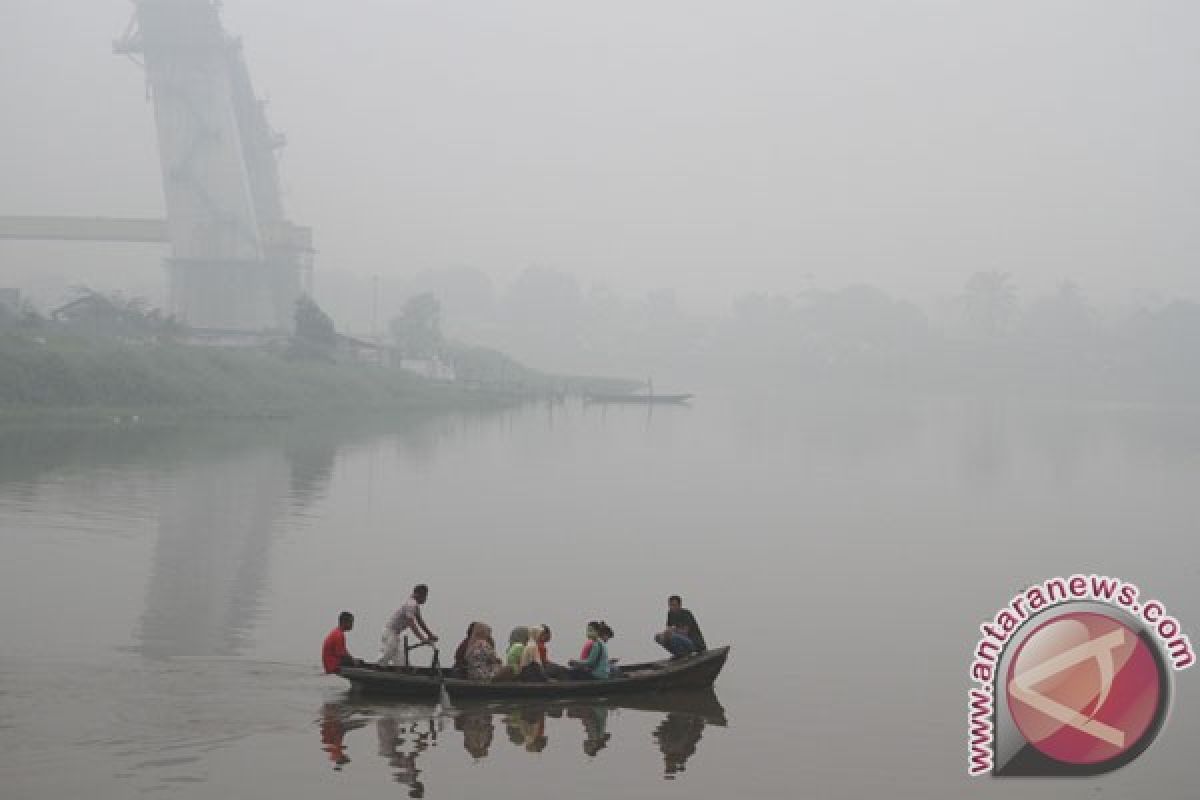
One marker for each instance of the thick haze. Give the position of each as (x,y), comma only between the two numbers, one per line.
(716,148)
(926,270)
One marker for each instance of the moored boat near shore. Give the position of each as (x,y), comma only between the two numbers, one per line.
(640,399)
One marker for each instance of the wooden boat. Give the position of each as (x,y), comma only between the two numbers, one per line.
(696,671)
(641,399)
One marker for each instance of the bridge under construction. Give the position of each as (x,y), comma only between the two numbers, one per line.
(236,262)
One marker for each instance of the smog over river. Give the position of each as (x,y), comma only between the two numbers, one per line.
(775,399)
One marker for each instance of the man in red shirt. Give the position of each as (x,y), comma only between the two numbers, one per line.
(334,654)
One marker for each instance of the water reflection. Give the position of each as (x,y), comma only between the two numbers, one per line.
(405,732)
(677,736)
(211,557)
(220,511)
(595,727)
(478,730)
(400,742)
(825,492)
(311,461)
(334,725)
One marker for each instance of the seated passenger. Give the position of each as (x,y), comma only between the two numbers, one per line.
(516,646)
(531,667)
(512,656)
(606,633)
(589,641)
(334,654)
(460,653)
(594,664)
(553,671)
(682,634)
(482,662)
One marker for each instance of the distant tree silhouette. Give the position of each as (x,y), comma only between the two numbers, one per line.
(312,324)
(863,316)
(19,315)
(990,302)
(463,292)
(418,328)
(99,314)
(545,300)
(1063,318)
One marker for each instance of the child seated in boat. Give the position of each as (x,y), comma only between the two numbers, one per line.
(593,663)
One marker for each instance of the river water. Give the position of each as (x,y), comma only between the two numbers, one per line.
(166,591)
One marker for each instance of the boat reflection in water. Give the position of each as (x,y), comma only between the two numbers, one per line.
(677,736)
(334,727)
(405,731)
(401,740)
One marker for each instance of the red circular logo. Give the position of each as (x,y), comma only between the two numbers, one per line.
(1084,688)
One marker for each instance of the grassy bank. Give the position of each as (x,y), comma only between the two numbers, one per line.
(492,369)
(71,376)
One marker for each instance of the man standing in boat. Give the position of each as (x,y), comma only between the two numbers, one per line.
(408,617)
(682,635)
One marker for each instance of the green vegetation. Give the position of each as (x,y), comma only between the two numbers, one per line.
(418,330)
(102,355)
(65,372)
(313,325)
(71,375)
(484,367)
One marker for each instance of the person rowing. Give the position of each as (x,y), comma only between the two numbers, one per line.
(407,617)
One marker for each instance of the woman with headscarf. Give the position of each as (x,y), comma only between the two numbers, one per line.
(516,647)
(482,662)
(531,667)
(460,653)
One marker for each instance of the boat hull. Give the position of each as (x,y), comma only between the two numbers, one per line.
(697,671)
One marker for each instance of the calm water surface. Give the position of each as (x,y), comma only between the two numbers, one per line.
(166,591)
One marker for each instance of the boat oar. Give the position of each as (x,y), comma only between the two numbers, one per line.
(443,695)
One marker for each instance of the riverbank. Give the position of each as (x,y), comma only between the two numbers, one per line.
(76,378)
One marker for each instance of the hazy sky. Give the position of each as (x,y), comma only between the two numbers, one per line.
(713,147)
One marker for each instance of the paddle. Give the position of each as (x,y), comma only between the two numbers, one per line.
(443,695)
